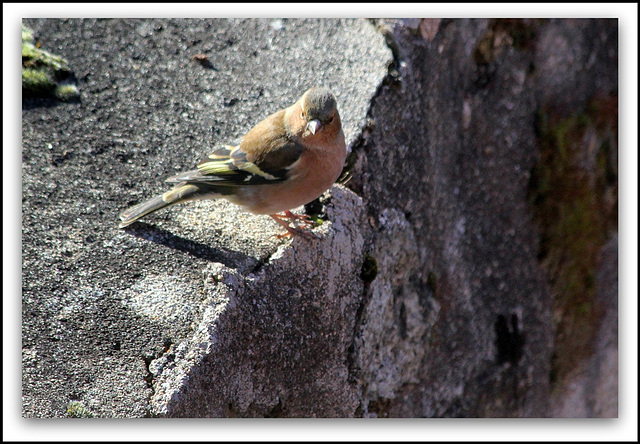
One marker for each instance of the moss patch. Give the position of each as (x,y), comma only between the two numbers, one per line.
(573,190)
(36,82)
(45,74)
(75,409)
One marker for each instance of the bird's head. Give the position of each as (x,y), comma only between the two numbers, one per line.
(319,109)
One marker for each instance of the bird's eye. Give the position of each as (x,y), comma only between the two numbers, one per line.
(302,116)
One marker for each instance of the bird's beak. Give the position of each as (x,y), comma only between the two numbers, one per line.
(314,125)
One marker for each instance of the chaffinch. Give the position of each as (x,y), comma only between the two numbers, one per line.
(287,160)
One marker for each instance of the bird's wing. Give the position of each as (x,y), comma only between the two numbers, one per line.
(263,155)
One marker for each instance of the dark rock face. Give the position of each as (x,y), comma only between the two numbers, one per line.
(452,142)
(451,147)
(427,295)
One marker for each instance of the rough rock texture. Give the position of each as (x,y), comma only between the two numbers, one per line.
(425,294)
(591,389)
(451,153)
(253,352)
(452,139)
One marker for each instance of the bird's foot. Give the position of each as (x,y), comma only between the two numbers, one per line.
(302,231)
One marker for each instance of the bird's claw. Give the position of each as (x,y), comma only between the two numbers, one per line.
(302,231)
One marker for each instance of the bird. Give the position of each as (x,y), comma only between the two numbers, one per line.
(287,160)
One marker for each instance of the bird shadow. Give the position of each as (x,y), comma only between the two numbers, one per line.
(225,256)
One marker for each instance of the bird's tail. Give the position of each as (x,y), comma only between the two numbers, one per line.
(181,193)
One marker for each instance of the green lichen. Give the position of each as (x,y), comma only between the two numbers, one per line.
(37,82)
(45,74)
(27,34)
(575,207)
(75,409)
(66,92)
